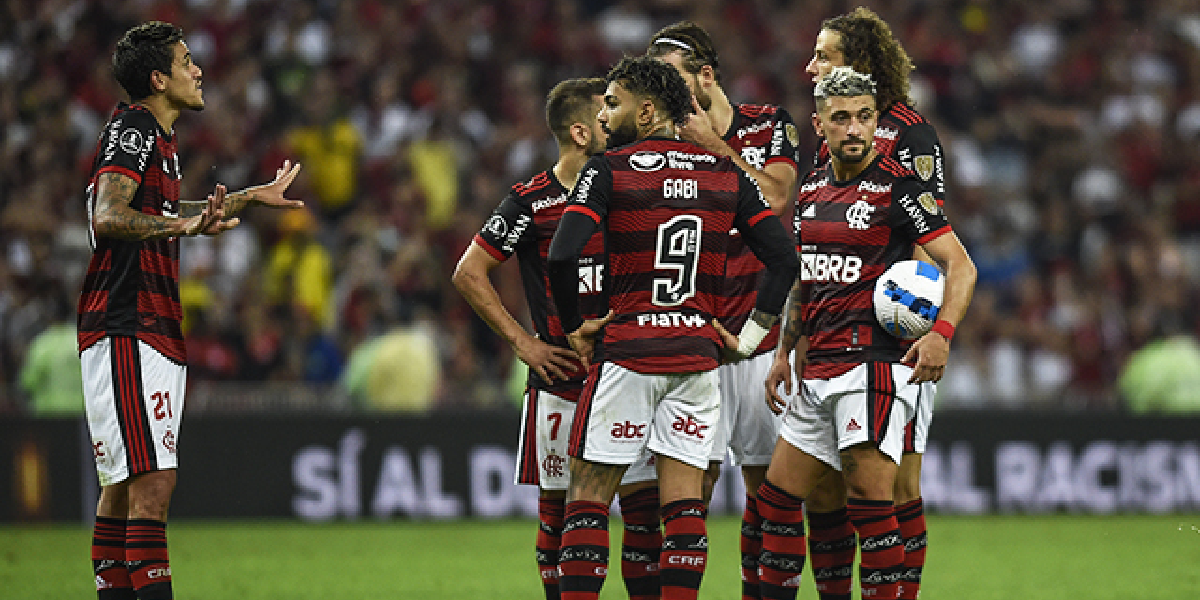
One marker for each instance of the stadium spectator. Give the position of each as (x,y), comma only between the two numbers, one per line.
(761,139)
(658,200)
(130,339)
(859,386)
(299,269)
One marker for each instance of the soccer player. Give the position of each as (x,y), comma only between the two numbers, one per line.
(666,207)
(855,216)
(862,40)
(761,139)
(523,224)
(130,345)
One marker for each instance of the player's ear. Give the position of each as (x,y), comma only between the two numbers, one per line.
(708,75)
(646,113)
(816,121)
(581,134)
(158,81)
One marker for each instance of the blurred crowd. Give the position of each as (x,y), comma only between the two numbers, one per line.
(1072,131)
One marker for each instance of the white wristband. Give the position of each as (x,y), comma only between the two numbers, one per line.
(750,337)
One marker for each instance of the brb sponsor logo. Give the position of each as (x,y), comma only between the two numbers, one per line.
(628,431)
(689,427)
(835,268)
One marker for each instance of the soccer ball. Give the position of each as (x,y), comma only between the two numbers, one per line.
(908,297)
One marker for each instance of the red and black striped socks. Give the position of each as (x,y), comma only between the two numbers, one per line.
(783,546)
(751,546)
(146,555)
(550,526)
(108,560)
(881,546)
(685,549)
(641,545)
(831,546)
(583,557)
(911,516)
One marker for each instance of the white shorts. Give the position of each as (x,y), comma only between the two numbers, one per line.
(622,413)
(916,434)
(870,403)
(134,400)
(747,428)
(546,421)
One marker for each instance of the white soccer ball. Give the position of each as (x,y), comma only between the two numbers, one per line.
(908,297)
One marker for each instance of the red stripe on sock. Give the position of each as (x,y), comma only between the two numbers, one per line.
(881,545)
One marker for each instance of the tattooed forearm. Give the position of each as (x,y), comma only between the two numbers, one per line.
(113,217)
(235,202)
(792,330)
(594,481)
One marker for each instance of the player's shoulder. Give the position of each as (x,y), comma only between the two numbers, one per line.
(134,116)
(889,167)
(901,116)
(538,185)
(757,111)
(652,154)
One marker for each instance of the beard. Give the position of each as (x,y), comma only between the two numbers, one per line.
(625,133)
(848,157)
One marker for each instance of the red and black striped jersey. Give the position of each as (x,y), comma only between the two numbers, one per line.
(848,233)
(763,135)
(903,134)
(523,224)
(131,287)
(667,207)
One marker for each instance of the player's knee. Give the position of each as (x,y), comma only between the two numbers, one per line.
(150,495)
(828,496)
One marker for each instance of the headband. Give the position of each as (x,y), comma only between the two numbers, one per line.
(674,42)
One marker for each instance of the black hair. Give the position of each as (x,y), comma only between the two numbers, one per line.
(572,101)
(690,38)
(144,49)
(648,77)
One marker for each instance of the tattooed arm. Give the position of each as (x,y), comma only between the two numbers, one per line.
(781,368)
(114,217)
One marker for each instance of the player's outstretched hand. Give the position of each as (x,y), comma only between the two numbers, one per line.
(583,340)
(930,353)
(550,362)
(209,221)
(271,194)
(781,372)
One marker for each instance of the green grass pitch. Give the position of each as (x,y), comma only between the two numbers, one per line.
(1001,558)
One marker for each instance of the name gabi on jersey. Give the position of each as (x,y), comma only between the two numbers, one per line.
(684,160)
(681,188)
(670,319)
(545,203)
(836,268)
